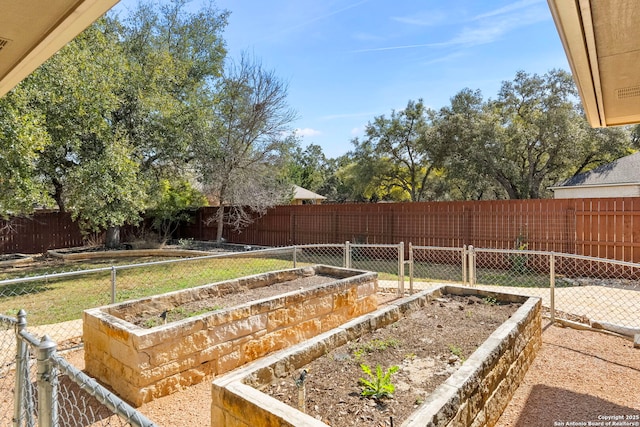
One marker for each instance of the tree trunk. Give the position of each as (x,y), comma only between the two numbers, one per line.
(220,223)
(112,239)
(57,195)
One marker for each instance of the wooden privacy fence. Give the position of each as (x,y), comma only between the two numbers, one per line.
(606,227)
(38,233)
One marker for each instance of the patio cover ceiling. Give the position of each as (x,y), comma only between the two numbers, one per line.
(602,41)
(31,31)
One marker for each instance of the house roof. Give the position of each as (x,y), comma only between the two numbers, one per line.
(300,193)
(602,42)
(31,32)
(625,170)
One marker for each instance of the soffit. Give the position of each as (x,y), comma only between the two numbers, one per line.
(602,42)
(33,30)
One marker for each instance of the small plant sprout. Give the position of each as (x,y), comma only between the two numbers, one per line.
(378,385)
(490,300)
(374,345)
(456,351)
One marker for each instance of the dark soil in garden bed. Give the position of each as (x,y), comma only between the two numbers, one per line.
(194,308)
(428,346)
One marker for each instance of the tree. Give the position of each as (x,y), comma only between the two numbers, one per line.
(174,57)
(238,161)
(307,168)
(530,137)
(459,127)
(121,100)
(172,205)
(399,157)
(21,139)
(74,93)
(107,191)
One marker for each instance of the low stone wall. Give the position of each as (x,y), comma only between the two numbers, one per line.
(142,364)
(475,395)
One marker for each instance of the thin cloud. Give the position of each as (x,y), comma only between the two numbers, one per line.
(307,132)
(423,19)
(488,27)
(326,15)
(507,9)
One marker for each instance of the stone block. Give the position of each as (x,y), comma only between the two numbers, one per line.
(229,361)
(239,328)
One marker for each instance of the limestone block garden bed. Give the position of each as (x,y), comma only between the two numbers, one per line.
(473,389)
(153,346)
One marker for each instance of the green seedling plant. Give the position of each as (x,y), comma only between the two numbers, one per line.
(374,345)
(456,351)
(378,385)
(490,300)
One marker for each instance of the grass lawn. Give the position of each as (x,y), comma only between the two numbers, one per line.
(56,300)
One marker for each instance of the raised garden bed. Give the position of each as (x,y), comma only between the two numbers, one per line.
(129,347)
(11,260)
(474,394)
(74,254)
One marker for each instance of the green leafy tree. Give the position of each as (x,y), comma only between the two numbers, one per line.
(530,137)
(22,138)
(107,191)
(143,87)
(74,93)
(307,168)
(174,57)
(398,158)
(172,202)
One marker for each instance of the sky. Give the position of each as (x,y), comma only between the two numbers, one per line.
(348,61)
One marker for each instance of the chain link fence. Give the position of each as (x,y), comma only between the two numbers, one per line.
(597,292)
(600,293)
(41,388)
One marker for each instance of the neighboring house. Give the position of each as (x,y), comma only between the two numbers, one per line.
(302,196)
(620,178)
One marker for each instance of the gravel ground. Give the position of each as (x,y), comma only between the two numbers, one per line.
(579,378)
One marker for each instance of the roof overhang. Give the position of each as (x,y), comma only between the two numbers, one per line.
(31,32)
(602,42)
(617,184)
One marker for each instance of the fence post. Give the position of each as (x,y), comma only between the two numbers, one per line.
(472,266)
(347,254)
(21,382)
(465,279)
(47,387)
(113,284)
(552,286)
(411,268)
(295,256)
(401,268)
